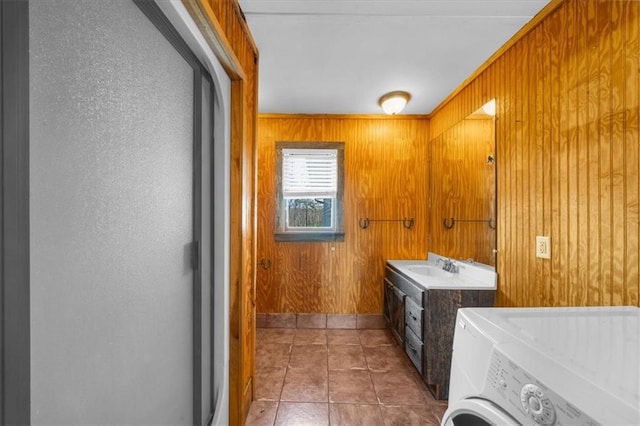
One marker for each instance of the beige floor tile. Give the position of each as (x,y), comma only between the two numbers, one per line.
(385,358)
(305,336)
(344,357)
(346,376)
(302,414)
(396,388)
(308,356)
(275,335)
(408,415)
(370,321)
(438,410)
(376,337)
(351,386)
(305,385)
(273,355)
(268,383)
(262,413)
(355,415)
(343,337)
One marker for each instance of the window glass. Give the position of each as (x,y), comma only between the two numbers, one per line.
(303,213)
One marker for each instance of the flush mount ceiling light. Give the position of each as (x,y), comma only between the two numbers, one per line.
(394,102)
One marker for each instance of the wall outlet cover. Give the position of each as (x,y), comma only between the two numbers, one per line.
(543,247)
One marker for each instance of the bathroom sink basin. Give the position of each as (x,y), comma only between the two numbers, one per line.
(430,271)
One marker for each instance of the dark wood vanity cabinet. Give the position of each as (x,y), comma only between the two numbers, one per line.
(425,323)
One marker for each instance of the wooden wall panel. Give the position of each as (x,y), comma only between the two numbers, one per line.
(463,188)
(385,178)
(567,155)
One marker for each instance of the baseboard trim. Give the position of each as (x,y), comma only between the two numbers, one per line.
(320,321)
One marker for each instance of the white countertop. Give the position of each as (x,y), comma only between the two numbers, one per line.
(430,275)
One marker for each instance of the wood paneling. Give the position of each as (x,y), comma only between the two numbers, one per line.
(386,177)
(567,155)
(223,25)
(463,188)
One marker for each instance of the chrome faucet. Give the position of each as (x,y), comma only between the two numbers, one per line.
(448,265)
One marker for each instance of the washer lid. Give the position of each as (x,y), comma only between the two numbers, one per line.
(600,344)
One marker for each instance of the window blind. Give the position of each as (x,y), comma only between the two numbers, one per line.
(309,173)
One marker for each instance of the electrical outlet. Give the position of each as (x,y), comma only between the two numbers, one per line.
(543,247)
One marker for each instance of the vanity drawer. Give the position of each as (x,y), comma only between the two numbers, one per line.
(413,348)
(413,316)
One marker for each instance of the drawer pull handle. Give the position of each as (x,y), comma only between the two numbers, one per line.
(414,318)
(412,348)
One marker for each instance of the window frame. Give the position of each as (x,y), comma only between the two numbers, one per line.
(283,232)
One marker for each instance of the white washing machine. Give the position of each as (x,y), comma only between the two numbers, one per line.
(546,366)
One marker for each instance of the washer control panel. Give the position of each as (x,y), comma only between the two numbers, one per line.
(535,402)
(527,399)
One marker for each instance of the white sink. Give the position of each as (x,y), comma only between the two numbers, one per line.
(427,270)
(430,275)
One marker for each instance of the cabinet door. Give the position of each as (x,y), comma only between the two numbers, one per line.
(397,315)
(388,300)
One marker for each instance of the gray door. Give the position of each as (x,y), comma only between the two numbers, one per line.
(112,207)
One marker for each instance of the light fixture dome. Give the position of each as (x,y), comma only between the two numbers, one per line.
(394,102)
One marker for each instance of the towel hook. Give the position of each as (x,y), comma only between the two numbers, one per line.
(446,225)
(407,222)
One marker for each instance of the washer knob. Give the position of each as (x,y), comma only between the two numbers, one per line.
(537,405)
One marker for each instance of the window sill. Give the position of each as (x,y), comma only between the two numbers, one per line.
(302,237)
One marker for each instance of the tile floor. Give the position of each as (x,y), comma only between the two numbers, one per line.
(337,377)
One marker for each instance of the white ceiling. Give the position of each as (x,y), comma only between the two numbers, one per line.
(340,56)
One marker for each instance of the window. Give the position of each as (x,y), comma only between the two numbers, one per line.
(309,191)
